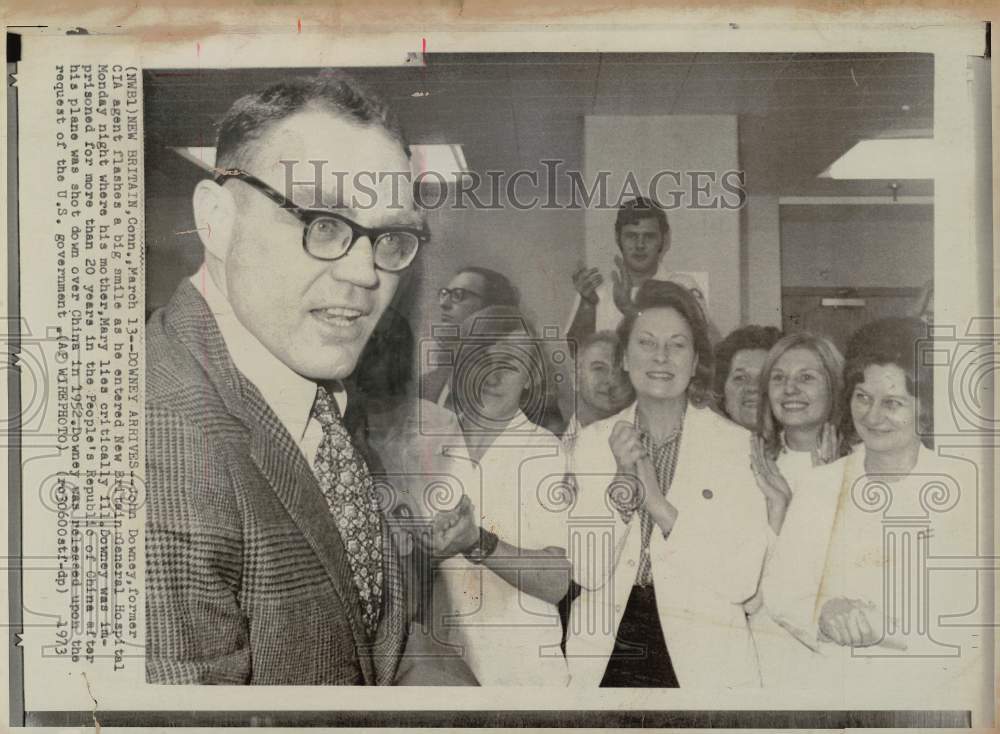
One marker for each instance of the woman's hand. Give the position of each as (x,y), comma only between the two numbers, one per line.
(637,478)
(625,491)
(828,448)
(452,531)
(774,487)
(626,446)
(848,622)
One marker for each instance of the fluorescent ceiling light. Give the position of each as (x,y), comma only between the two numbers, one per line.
(446,160)
(885,158)
(201,157)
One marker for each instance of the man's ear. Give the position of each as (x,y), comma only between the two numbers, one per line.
(214,217)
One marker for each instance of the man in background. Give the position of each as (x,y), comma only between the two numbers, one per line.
(471,290)
(602,386)
(642,235)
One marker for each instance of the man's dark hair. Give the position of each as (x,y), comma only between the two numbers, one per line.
(252,116)
(746,337)
(635,210)
(499,291)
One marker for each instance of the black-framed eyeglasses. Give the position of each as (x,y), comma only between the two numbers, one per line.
(330,236)
(457,295)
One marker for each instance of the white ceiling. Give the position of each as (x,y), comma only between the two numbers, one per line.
(798,112)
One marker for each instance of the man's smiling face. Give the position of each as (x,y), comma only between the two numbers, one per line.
(641,245)
(314,315)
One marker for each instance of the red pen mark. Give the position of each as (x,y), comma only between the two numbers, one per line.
(424,45)
(198,47)
(300,25)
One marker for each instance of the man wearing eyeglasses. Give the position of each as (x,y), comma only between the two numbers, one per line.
(269,559)
(471,290)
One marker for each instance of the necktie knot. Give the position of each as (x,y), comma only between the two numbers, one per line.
(325,409)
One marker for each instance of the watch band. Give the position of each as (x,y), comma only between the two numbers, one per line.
(482,548)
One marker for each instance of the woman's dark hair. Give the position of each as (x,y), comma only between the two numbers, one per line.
(833,368)
(656,294)
(499,290)
(746,337)
(900,341)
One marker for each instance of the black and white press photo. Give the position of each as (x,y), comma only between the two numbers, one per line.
(545,378)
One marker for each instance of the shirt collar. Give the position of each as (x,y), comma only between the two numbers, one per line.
(288,394)
(647,438)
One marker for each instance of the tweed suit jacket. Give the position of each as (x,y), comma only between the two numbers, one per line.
(247,577)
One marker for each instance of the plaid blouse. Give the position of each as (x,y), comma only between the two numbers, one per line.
(664,457)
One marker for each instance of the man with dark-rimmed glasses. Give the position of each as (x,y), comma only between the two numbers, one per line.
(470,290)
(269,559)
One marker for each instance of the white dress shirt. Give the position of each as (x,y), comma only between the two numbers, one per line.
(286,392)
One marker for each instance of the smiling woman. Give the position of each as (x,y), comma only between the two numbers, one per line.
(672,477)
(497,600)
(739,359)
(801,377)
(888,394)
(855,542)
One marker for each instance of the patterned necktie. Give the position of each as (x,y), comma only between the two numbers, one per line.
(347,484)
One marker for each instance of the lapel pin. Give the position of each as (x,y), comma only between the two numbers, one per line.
(707,494)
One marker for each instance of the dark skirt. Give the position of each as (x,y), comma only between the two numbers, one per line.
(640,658)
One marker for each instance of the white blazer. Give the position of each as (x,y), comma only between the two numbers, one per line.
(703,572)
(836,541)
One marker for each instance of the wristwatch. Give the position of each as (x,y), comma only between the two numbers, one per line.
(483,548)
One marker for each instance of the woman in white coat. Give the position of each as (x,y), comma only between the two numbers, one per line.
(496,601)
(668,533)
(842,576)
(801,382)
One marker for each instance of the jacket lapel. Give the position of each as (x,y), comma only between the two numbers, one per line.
(391,635)
(275,453)
(291,479)
(690,457)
